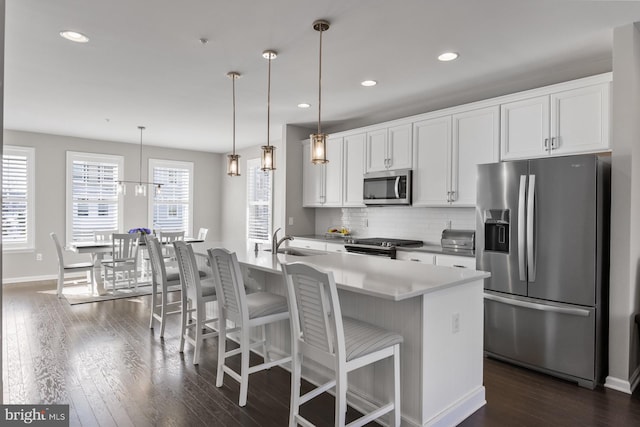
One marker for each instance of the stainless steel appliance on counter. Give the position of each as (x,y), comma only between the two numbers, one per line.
(381,246)
(458,240)
(392,187)
(542,232)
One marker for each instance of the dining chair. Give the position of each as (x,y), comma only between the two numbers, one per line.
(166,239)
(64,268)
(124,259)
(202,233)
(246,311)
(196,293)
(103,235)
(162,280)
(320,333)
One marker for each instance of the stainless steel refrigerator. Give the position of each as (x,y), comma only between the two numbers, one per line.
(542,231)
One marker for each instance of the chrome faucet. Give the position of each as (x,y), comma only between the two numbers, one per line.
(275,243)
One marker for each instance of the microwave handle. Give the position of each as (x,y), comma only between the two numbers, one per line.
(397,187)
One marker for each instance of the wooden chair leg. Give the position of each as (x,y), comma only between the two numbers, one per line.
(296,372)
(153,304)
(341,398)
(265,345)
(222,349)
(396,386)
(183,321)
(60,282)
(198,336)
(163,312)
(244,366)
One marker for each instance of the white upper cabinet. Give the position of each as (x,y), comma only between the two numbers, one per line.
(447,150)
(432,154)
(322,184)
(568,121)
(389,148)
(353,149)
(476,140)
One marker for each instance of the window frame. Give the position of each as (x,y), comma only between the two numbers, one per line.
(176,164)
(90,157)
(30,154)
(256,163)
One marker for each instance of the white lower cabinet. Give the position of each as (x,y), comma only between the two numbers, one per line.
(424,257)
(456,261)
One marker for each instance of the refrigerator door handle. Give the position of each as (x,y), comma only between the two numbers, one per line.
(536,306)
(531,258)
(521,228)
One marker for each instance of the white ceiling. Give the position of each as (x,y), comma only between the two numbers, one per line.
(144,64)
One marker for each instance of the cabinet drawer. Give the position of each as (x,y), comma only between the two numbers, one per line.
(308,244)
(456,261)
(424,257)
(335,247)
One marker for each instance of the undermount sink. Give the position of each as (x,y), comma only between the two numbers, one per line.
(299,252)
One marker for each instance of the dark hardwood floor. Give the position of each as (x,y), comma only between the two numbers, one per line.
(103,360)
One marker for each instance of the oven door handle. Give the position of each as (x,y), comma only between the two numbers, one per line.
(397,187)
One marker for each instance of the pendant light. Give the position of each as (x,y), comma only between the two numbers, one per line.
(140,188)
(233,167)
(319,140)
(268,162)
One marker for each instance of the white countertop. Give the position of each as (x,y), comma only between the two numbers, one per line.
(376,276)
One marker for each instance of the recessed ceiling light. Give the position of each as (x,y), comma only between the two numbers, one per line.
(448,56)
(74,36)
(369,83)
(304,105)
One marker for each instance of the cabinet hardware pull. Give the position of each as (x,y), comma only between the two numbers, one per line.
(453,196)
(553,143)
(415,259)
(546,144)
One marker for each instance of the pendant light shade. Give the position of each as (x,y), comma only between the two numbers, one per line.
(268,162)
(319,140)
(233,164)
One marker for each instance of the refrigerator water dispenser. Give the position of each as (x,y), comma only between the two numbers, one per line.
(496,230)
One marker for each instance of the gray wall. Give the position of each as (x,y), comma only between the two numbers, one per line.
(625,210)
(50,153)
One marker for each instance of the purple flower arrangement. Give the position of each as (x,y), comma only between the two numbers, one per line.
(140,230)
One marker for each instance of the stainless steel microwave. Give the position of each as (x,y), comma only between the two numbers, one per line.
(391,187)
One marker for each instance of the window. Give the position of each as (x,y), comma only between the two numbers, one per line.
(93,202)
(171,208)
(17,198)
(259,189)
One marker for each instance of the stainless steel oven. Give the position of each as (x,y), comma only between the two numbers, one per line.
(391,187)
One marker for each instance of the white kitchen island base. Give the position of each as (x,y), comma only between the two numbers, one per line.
(438,311)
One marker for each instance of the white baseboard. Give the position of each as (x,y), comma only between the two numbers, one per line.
(460,410)
(635,379)
(618,384)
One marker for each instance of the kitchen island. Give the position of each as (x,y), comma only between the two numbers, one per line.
(438,311)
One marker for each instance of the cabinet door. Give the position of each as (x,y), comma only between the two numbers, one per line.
(353,170)
(525,128)
(333,173)
(335,247)
(456,261)
(311,179)
(475,141)
(432,153)
(399,147)
(376,151)
(580,120)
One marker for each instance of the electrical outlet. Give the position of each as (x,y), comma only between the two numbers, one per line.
(455,323)
(38,257)
(290,220)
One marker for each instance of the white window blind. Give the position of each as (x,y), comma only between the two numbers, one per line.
(93,203)
(17,198)
(259,190)
(172,207)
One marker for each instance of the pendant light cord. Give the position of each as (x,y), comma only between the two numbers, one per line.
(233,88)
(140,175)
(320,83)
(269,100)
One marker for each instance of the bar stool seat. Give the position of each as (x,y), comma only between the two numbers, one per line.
(362,338)
(262,304)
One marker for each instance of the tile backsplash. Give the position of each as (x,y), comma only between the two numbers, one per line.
(401,222)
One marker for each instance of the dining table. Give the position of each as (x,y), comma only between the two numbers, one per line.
(97,250)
